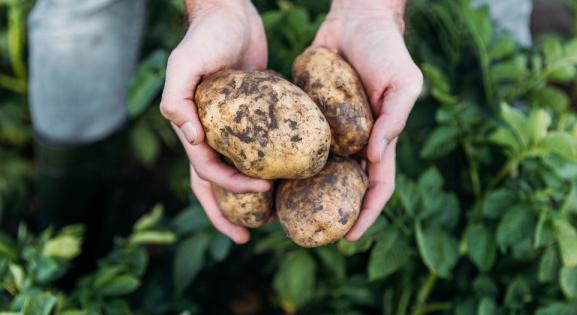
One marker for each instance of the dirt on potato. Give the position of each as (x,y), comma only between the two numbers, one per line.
(268,127)
(322,209)
(338,91)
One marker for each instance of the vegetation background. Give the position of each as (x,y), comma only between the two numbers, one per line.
(483,221)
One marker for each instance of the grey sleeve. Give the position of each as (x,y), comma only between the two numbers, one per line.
(82,54)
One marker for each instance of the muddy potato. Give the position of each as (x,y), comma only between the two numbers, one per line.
(337,89)
(268,127)
(250,209)
(322,209)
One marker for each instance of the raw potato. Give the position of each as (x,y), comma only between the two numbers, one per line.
(268,127)
(322,209)
(250,209)
(337,89)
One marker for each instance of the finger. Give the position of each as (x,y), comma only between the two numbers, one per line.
(392,116)
(324,38)
(177,104)
(381,187)
(209,167)
(203,192)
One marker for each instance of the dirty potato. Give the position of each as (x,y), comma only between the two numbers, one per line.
(249,209)
(337,89)
(322,209)
(268,127)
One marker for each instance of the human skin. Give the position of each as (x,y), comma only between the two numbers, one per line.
(222,33)
(369,34)
(229,33)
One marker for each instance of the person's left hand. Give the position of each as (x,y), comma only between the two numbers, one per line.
(371,40)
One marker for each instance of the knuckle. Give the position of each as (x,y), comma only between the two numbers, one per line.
(174,58)
(168,110)
(398,126)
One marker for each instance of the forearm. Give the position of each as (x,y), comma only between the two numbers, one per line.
(193,7)
(396,6)
(386,9)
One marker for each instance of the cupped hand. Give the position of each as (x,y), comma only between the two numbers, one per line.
(370,36)
(222,33)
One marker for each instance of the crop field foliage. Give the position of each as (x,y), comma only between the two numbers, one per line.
(483,220)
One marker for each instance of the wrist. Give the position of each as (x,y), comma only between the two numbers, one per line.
(387,10)
(196,7)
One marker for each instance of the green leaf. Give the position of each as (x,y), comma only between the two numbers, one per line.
(497,202)
(190,219)
(442,141)
(41,304)
(119,285)
(517,122)
(146,83)
(438,250)
(549,265)
(568,281)
(504,46)
(220,247)
(481,246)
(557,308)
(487,307)
(544,231)
(333,261)
(152,237)
(515,70)
(430,181)
(408,194)
(188,260)
(62,246)
(567,238)
(7,249)
(506,138)
(435,77)
(390,253)
(518,293)
(560,143)
(539,122)
(295,280)
(552,49)
(145,144)
(517,224)
(149,220)
(550,97)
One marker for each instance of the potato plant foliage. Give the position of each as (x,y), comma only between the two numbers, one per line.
(483,220)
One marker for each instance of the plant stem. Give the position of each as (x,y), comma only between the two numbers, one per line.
(473,170)
(404,301)
(425,290)
(429,308)
(506,169)
(11,83)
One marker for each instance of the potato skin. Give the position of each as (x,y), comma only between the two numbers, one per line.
(337,89)
(267,126)
(250,209)
(322,209)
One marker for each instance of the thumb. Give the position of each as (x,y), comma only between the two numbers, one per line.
(177,103)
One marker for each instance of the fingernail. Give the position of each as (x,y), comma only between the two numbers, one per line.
(384,144)
(189,132)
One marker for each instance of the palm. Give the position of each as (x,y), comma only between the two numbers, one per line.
(374,46)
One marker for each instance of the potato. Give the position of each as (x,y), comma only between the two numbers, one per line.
(268,127)
(337,89)
(249,209)
(322,209)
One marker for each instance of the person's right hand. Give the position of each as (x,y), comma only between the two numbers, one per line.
(222,33)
